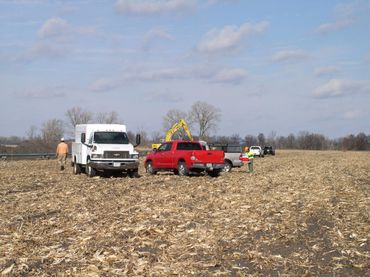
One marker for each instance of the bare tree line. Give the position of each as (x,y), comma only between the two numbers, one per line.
(303,140)
(202,118)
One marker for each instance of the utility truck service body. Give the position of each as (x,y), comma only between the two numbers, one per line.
(104,147)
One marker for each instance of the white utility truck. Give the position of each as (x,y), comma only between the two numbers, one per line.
(104,147)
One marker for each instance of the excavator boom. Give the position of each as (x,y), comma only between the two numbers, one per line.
(175,127)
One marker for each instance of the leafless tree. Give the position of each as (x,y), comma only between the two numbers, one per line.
(107,118)
(173,116)
(52,131)
(250,140)
(156,137)
(205,118)
(32,133)
(261,139)
(77,115)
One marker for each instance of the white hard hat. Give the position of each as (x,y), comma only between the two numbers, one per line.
(62,139)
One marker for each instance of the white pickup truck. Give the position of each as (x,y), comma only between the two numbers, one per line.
(104,147)
(257,151)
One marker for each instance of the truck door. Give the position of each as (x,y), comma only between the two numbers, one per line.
(163,156)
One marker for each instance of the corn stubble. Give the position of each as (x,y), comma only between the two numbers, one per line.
(299,213)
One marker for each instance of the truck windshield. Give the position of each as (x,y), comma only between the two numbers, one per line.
(111,138)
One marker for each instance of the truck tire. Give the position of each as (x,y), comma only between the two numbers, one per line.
(214,173)
(182,169)
(91,172)
(228,166)
(134,173)
(149,168)
(76,168)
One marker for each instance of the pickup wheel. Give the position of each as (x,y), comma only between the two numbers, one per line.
(214,173)
(182,169)
(228,166)
(76,168)
(149,168)
(91,172)
(134,173)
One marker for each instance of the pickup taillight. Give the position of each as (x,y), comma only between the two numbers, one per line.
(193,157)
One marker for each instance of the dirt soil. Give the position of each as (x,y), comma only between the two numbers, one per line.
(299,213)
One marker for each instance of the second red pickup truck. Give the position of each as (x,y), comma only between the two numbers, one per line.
(183,157)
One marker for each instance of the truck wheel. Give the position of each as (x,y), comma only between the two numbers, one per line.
(91,172)
(133,173)
(149,168)
(76,168)
(214,173)
(182,169)
(228,166)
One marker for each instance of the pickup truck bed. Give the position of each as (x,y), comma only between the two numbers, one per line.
(184,157)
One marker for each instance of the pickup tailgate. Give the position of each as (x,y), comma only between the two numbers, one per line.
(209,156)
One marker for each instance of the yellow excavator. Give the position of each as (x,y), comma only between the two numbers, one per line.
(177,126)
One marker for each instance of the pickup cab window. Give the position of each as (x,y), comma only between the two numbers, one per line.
(165,147)
(188,146)
(111,138)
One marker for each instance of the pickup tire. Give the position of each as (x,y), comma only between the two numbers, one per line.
(182,169)
(91,172)
(228,166)
(149,168)
(214,173)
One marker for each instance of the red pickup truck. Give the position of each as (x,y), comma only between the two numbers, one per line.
(183,157)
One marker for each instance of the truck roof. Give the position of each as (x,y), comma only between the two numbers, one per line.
(101,127)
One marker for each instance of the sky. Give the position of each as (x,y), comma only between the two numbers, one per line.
(269,66)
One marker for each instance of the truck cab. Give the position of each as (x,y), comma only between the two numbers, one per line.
(104,147)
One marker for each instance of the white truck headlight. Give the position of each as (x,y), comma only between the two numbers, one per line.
(96,156)
(134,156)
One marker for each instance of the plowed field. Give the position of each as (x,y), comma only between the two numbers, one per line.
(300,212)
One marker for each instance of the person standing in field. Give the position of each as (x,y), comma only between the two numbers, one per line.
(61,153)
(250,157)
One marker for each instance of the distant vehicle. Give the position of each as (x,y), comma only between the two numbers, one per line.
(257,151)
(184,157)
(104,147)
(268,150)
(232,154)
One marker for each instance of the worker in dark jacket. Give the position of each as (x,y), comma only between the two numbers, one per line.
(61,153)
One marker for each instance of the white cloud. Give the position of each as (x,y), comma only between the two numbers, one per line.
(339,87)
(155,36)
(354,114)
(103,84)
(328,70)
(150,7)
(54,27)
(141,75)
(229,37)
(212,2)
(167,97)
(334,26)
(344,18)
(288,56)
(233,75)
(43,93)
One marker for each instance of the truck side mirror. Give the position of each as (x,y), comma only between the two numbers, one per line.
(83,137)
(138,139)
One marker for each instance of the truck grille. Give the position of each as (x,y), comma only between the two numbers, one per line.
(116,154)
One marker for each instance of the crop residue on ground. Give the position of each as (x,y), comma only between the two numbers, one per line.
(301,212)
